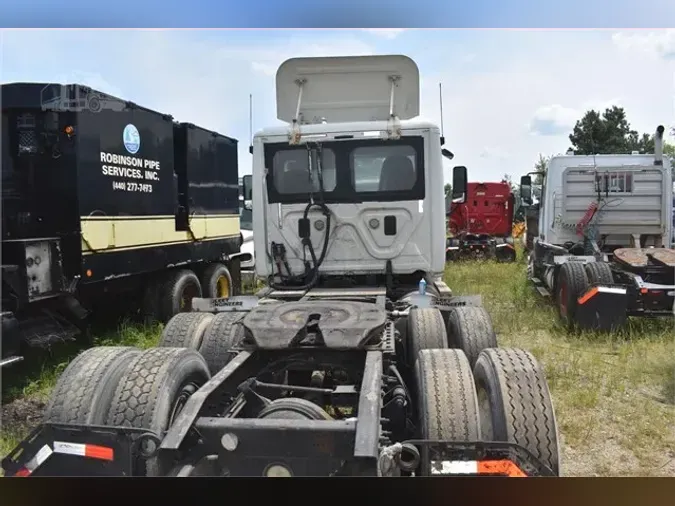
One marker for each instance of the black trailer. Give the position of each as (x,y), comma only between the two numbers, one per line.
(105,201)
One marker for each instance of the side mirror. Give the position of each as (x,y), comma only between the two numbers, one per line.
(526,190)
(459,184)
(247,183)
(447,153)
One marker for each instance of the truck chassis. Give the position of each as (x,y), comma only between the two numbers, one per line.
(600,291)
(357,381)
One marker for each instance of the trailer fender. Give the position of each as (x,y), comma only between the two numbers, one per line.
(602,307)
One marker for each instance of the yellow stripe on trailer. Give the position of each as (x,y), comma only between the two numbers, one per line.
(102,234)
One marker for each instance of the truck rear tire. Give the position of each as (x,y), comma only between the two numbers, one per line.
(179,290)
(470,330)
(447,402)
(426,331)
(572,283)
(220,336)
(185,330)
(599,272)
(217,282)
(154,390)
(84,392)
(515,403)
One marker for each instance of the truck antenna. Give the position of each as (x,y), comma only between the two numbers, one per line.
(440,99)
(250,122)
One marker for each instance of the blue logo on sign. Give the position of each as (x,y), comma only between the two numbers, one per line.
(132,139)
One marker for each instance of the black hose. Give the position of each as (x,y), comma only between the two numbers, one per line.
(307,243)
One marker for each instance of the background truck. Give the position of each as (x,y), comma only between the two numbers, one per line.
(603,243)
(246,229)
(482,225)
(108,207)
(356,359)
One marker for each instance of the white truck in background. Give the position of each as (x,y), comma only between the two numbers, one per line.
(603,246)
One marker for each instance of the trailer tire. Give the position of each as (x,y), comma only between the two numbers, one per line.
(220,336)
(179,290)
(153,390)
(426,331)
(470,330)
(572,283)
(85,390)
(185,330)
(217,282)
(599,272)
(515,403)
(447,401)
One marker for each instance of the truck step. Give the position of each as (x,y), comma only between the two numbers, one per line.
(543,291)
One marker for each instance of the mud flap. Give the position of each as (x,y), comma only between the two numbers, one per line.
(10,339)
(602,307)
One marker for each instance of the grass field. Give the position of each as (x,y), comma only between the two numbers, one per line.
(614,394)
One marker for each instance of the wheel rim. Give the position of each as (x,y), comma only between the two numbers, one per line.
(188,294)
(223,286)
(185,393)
(562,299)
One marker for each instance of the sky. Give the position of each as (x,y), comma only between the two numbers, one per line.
(508,95)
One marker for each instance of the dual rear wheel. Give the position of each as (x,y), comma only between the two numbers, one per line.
(470,390)
(173,294)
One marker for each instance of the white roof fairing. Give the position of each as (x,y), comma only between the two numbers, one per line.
(347,89)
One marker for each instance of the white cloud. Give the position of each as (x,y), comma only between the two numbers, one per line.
(386,33)
(660,44)
(553,120)
(494,153)
(490,106)
(267,61)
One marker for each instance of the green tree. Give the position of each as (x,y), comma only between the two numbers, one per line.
(541,166)
(669,150)
(607,133)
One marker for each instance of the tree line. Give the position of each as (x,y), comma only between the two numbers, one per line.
(599,133)
(606,133)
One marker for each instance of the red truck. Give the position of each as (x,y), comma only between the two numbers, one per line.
(481,226)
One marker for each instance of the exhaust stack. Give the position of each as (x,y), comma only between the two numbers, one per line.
(658,145)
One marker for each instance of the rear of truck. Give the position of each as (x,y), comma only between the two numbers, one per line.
(333,369)
(40,215)
(482,225)
(101,198)
(609,218)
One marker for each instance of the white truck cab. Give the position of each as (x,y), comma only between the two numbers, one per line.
(635,194)
(602,244)
(352,176)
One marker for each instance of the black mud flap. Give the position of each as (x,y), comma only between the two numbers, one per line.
(482,458)
(80,450)
(602,307)
(10,340)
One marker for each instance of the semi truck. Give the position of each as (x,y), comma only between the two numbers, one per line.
(356,359)
(601,237)
(104,206)
(482,225)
